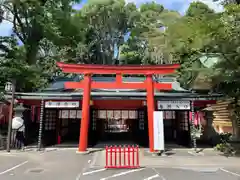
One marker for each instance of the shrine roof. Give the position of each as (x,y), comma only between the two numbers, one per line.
(115,95)
(58,85)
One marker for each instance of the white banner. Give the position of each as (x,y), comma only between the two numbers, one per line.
(173,105)
(61,104)
(158,130)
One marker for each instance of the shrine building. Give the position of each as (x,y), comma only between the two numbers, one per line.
(108,102)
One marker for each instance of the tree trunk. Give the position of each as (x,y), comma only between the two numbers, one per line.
(236,130)
(236,119)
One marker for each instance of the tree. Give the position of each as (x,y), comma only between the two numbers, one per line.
(107,22)
(148,43)
(188,38)
(35,23)
(34,20)
(205,33)
(198,9)
(13,66)
(225,2)
(227,44)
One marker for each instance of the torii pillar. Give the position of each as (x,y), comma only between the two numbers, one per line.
(150,110)
(83,139)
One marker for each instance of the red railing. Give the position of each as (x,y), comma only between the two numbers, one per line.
(122,157)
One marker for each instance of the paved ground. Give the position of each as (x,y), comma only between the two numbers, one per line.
(59,165)
(160,174)
(66,164)
(177,158)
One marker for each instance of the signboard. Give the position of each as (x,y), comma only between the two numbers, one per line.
(173,105)
(61,104)
(158,130)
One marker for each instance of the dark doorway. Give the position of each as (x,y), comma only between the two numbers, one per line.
(70,130)
(176,127)
(69,125)
(115,126)
(169,121)
(49,126)
(183,128)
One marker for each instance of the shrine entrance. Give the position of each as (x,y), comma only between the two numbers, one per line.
(68,124)
(176,127)
(117,125)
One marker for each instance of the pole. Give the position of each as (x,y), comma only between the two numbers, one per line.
(84,125)
(40,126)
(150,110)
(193,128)
(10,118)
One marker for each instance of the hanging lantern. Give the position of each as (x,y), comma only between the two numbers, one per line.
(8,87)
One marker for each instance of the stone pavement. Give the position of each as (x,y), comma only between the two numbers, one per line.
(158,174)
(47,165)
(176,158)
(66,164)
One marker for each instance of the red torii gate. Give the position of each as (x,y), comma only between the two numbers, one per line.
(87,84)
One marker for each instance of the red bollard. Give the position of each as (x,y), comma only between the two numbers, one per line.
(111,150)
(58,139)
(129,155)
(106,149)
(133,154)
(124,155)
(120,156)
(116,154)
(137,156)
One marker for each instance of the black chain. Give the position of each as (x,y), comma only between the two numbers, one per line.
(193,131)
(40,125)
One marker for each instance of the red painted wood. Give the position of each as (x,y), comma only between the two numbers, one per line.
(30,102)
(204,103)
(116,85)
(150,109)
(162,86)
(118,104)
(113,69)
(118,78)
(58,139)
(4,112)
(83,139)
(33,108)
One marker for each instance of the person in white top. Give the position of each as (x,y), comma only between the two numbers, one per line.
(18,125)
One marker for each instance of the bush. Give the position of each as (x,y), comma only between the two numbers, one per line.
(2,142)
(225,145)
(225,137)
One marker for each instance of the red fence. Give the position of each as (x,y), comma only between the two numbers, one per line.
(122,157)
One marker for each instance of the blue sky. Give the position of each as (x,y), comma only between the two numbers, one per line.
(178,5)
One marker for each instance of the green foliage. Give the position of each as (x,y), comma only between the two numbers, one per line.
(148,40)
(33,23)
(191,38)
(225,146)
(107,22)
(52,31)
(204,34)
(14,66)
(198,9)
